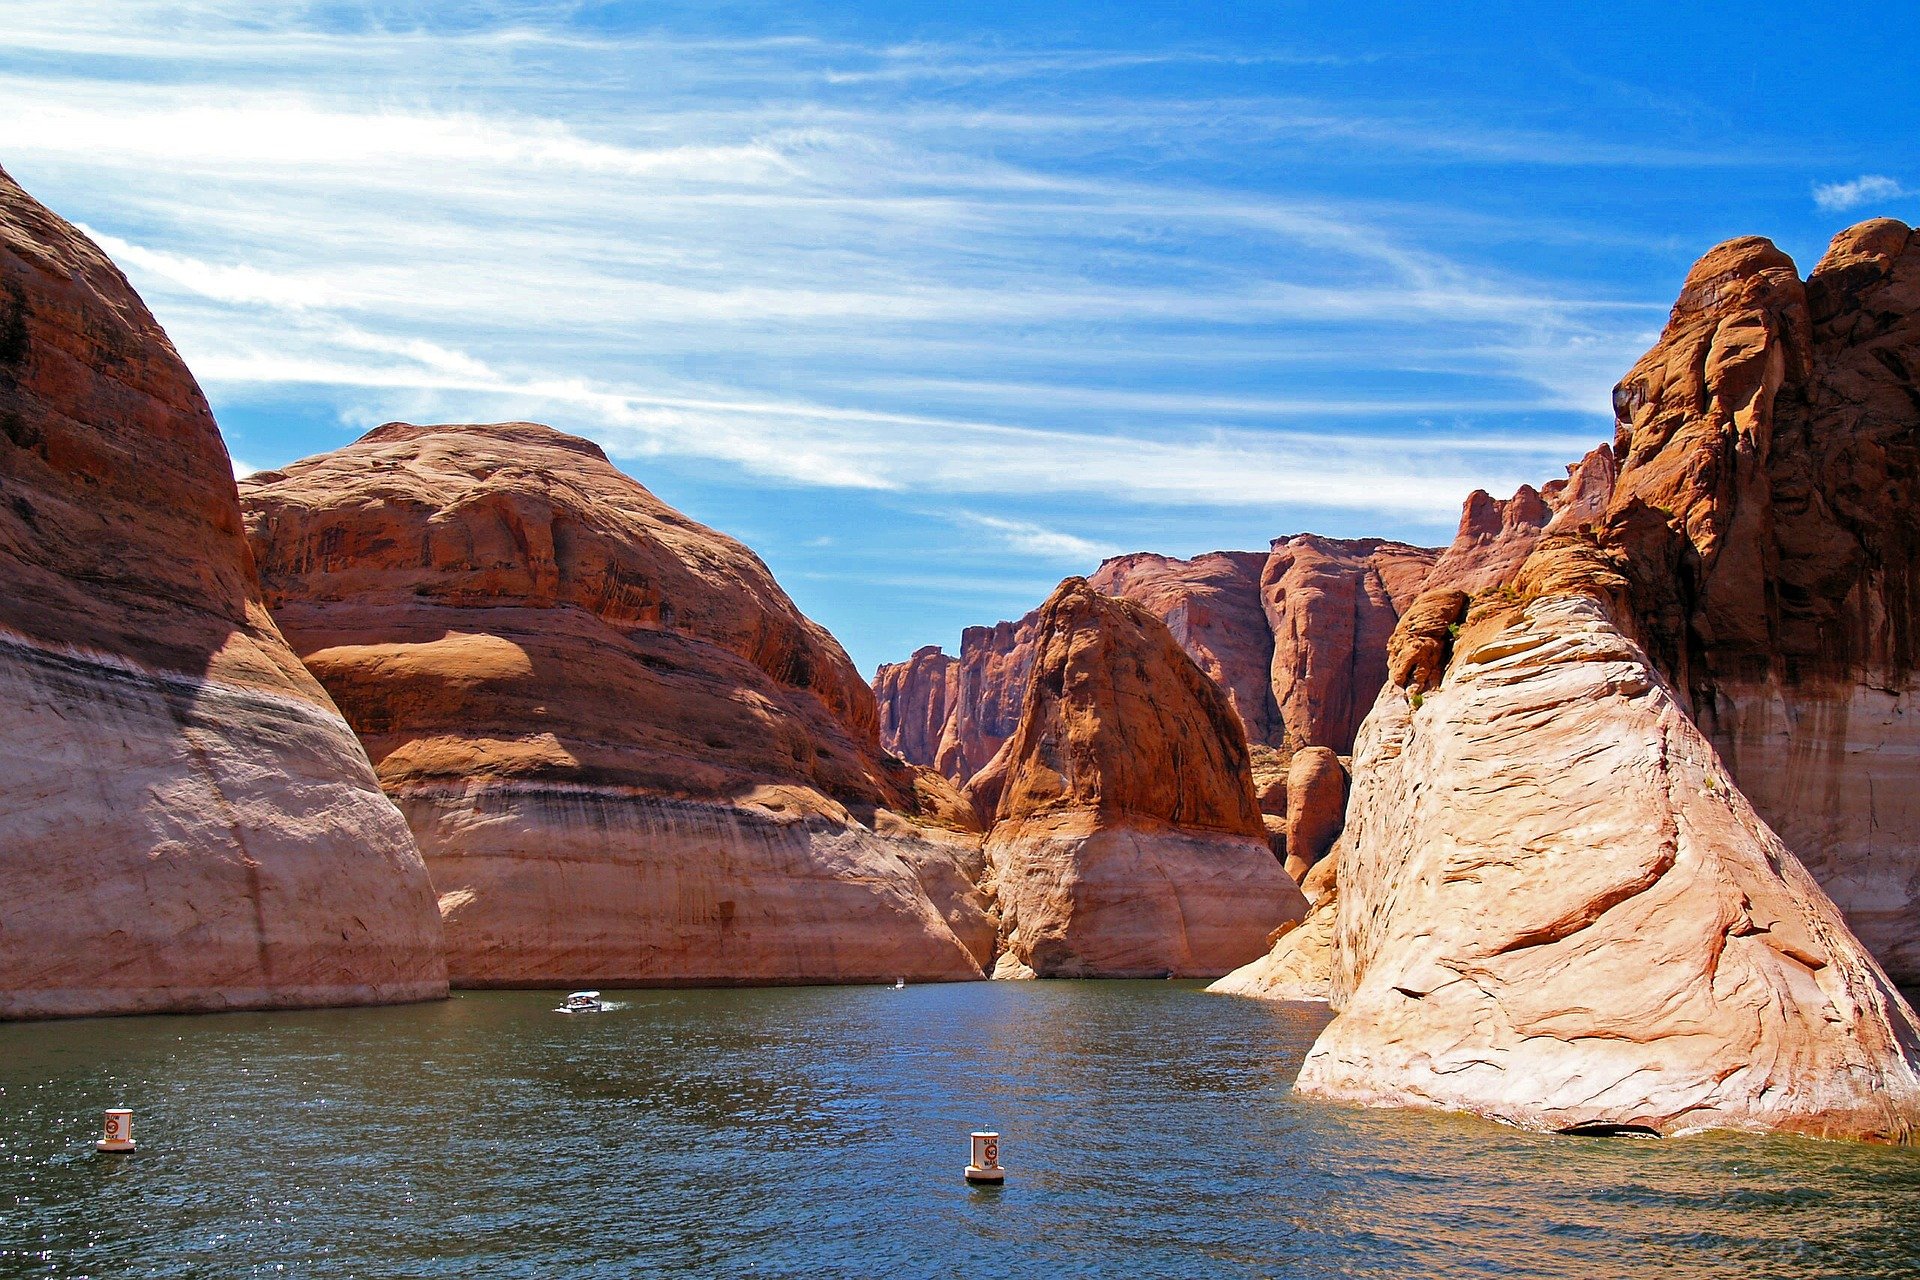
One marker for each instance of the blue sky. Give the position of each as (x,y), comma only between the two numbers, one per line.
(934,308)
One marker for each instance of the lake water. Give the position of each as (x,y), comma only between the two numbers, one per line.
(1147,1129)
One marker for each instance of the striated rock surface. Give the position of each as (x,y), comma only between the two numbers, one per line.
(1128,843)
(186,823)
(1494,539)
(625,753)
(1568,890)
(1294,637)
(1556,909)
(1211,604)
(913,701)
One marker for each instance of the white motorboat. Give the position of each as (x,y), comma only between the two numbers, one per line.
(583,1002)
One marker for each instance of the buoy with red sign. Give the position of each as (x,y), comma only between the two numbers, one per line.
(985,1169)
(118,1132)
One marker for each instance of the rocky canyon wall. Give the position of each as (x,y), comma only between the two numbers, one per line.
(1127,842)
(186,822)
(1592,770)
(1295,637)
(626,755)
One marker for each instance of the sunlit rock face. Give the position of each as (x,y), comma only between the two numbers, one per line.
(1127,841)
(1557,909)
(186,822)
(1631,840)
(625,753)
(1769,468)
(1569,884)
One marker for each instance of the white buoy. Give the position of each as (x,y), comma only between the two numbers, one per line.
(117,1134)
(985,1169)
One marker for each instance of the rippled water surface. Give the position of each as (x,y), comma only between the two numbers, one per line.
(1147,1128)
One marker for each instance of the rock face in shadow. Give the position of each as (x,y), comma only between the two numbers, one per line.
(1299,965)
(1295,637)
(1127,841)
(954,714)
(1331,605)
(1556,909)
(186,823)
(1316,807)
(625,753)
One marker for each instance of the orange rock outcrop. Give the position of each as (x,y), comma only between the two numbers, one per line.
(626,755)
(1127,842)
(186,822)
(1769,451)
(1316,807)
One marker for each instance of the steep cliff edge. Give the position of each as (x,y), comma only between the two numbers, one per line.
(1559,903)
(625,753)
(186,822)
(1127,842)
(1769,451)
(1555,909)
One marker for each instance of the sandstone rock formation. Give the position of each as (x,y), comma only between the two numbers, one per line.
(626,755)
(954,714)
(1299,965)
(1316,807)
(1494,539)
(1127,842)
(1558,905)
(1295,637)
(1556,909)
(1212,606)
(1769,451)
(185,821)
(1331,605)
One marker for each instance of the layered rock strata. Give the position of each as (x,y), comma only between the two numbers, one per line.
(626,755)
(1127,842)
(1769,451)
(186,822)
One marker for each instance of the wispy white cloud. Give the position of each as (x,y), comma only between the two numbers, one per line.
(788,283)
(1838,197)
(1037,540)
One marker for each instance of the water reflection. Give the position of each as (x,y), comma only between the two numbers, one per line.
(1148,1129)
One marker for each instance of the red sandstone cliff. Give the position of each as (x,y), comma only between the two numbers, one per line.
(1294,637)
(1127,841)
(185,820)
(627,756)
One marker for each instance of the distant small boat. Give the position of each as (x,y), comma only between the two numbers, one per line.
(898,983)
(583,1002)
